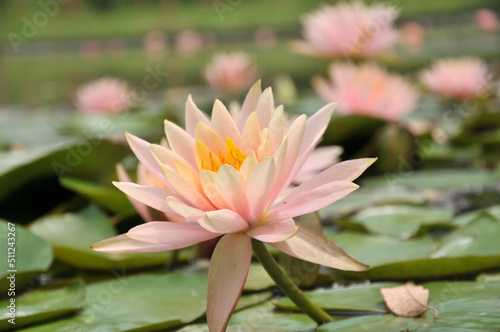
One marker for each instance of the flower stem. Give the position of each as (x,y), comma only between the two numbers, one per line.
(287,285)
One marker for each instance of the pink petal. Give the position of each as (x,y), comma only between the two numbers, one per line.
(277,128)
(223,123)
(185,189)
(274,231)
(193,116)
(314,247)
(172,235)
(188,212)
(181,142)
(150,196)
(230,185)
(293,143)
(310,201)
(140,148)
(226,277)
(314,130)
(163,155)
(265,107)
(141,208)
(320,159)
(207,179)
(347,170)
(249,104)
(258,188)
(223,221)
(122,244)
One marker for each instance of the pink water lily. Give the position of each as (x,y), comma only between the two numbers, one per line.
(367,90)
(348,29)
(226,177)
(105,95)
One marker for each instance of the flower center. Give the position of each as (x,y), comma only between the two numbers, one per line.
(206,159)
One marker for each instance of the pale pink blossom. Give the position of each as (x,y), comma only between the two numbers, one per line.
(227,177)
(105,95)
(188,41)
(459,78)
(486,20)
(348,29)
(412,35)
(367,90)
(230,72)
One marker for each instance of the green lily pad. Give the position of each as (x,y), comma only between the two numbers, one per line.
(258,279)
(467,250)
(465,218)
(110,198)
(139,303)
(379,250)
(262,318)
(488,277)
(441,179)
(462,306)
(32,255)
(476,239)
(401,221)
(72,234)
(352,298)
(86,158)
(38,306)
(364,197)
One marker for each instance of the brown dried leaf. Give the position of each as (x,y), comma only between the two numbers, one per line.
(407,300)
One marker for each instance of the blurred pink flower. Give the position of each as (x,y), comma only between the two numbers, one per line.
(487,20)
(348,29)
(105,95)
(367,90)
(188,41)
(230,72)
(228,178)
(412,35)
(460,78)
(154,42)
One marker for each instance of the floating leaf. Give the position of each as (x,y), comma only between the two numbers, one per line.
(72,234)
(407,300)
(466,250)
(38,306)
(441,179)
(87,158)
(364,197)
(463,306)
(262,318)
(258,279)
(139,303)
(351,298)
(32,255)
(110,198)
(401,221)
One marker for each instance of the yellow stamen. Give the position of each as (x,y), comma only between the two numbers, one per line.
(206,159)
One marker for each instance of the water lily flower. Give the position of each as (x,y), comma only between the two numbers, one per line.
(461,78)
(367,90)
(105,95)
(230,73)
(229,178)
(486,20)
(348,29)
(412,35)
